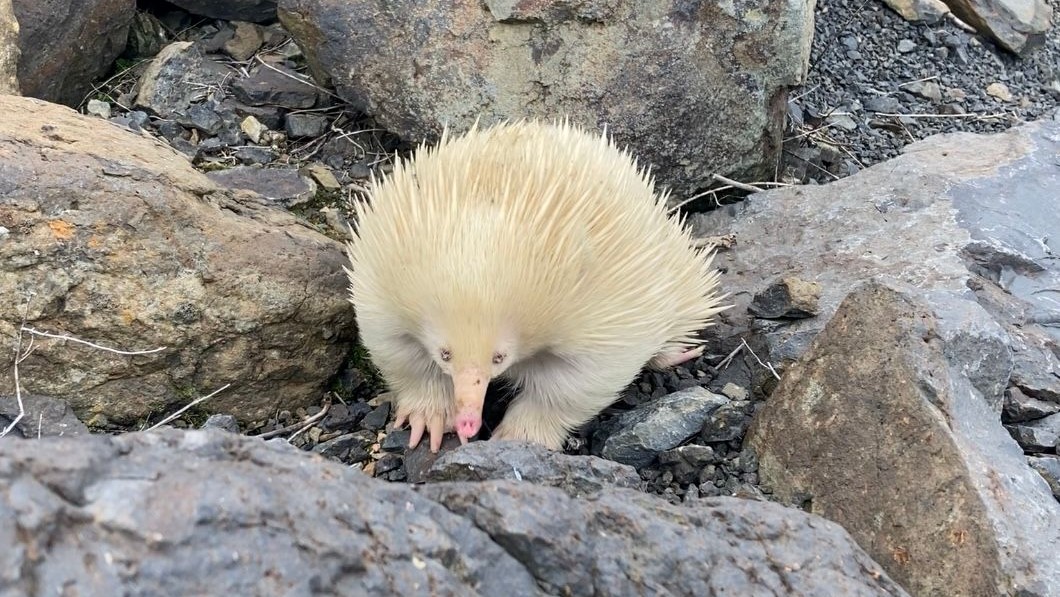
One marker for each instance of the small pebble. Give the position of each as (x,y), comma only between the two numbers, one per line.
(906,45)
(98,108)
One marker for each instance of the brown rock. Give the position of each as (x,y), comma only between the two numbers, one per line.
(928,11)
(880,428)
(693,88)
(113,238)
(1017,25)
(790,297)
(67,44)
(9,52)
(245,42)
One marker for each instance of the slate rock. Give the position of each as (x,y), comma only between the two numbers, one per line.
(1017,25)
(147,36)
(640,434)
(177,77)
(789,297)
(351,447)
(1041,435)
(270,116)
(344,417)
(237,510)
(275,86)
(285,186)
(533,463)
(883,103)
(687,462)
(254,156)
(397,440)
(222,422)
(729,422)
(927,427)
(1049,468)
(199,117)
(1020,408)
(305,125)
(377,418)
(42,416)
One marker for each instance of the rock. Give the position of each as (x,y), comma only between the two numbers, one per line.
(789,298)
(578,476)
(1049,468)
(928,11)
(925,427)
(270,116)
(275,86)
(143,502)
(324,177)
(925,89)
(199,117)
(734,392)
(377,418)
(691,88)
(98,108)
(729,422)
(283,185)
(843,121)
(686,462)
(42,416)
(1038,436)
(906,45)
(246,41)
(179,76)
(251,156)
(1000,91)
(397,440)
(223,422)
(351,447)
(659,425)
(256,11)
(116,239)
(9,50)
(1017,25)
(147,36)
(883,103)
(68,44)
(305,125)
(928,218)
(254,129)
(1019,407)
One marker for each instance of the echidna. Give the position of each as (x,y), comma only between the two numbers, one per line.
(533,251)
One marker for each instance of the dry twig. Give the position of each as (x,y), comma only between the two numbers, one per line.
(187,406)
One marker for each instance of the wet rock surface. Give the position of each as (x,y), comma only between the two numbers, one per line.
(106,505)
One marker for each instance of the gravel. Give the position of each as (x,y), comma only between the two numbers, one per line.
(867,60)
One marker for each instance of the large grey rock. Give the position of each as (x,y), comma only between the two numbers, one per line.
(214,513)
(41,417)
(1017,25)
(177,77)
(9,51)
(954,212)
(68,44)
(637,436)
(692,88)
(885,426)
(533,463)
(113,238)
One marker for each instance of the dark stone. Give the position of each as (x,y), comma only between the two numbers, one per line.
(377,419)
(305,125)
(352,447)
(171,130)
(686,462)
(727,423)
(789,298)
(397,440)
(270,116)
(275,86)
(42,416)
(388,463)
(283,185)
(344,416)
(222,422)
(1020,408)
(639,434)
(199,117)
(883,103)
(1049,468)
(257,11)
(179,76)
(1037,436)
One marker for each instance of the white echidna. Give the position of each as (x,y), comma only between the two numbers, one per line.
(537,252)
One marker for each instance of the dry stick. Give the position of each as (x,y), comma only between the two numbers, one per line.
(186,407)
(19,357)
(935,115)
(766,365)
(87,343)
(308,421)
(732,355)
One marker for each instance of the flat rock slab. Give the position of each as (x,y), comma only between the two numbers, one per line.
(533,463)
(880,427)
(113,238)
(691,87)
(285,186)
(133,514)
(1017,25)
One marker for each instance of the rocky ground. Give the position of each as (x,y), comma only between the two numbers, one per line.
(876,83)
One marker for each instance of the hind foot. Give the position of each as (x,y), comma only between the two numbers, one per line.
(665,361)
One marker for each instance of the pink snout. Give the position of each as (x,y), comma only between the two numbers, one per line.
(468,424)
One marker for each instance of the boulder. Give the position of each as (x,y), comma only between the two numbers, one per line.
(1017,25)
(209,512)
(68,44)
(112,238)
(256,11)
(884,426)
(9,52)
(692,88)
(179,76)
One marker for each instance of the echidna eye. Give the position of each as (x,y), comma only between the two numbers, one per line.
(446,355)
(498,358)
